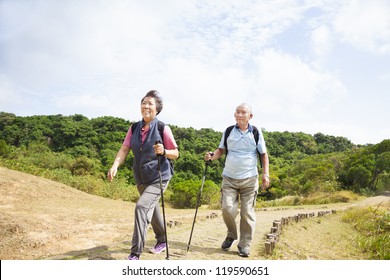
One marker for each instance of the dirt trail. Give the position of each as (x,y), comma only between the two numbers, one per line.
(42,219)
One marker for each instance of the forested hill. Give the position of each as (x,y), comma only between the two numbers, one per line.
(300,163)
(69,132)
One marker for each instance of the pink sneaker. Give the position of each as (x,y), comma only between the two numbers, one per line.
(158,248)
(133,257)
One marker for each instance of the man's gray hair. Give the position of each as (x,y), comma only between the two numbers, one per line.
(249,107)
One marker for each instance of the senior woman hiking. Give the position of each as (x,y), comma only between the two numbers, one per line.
(153,146)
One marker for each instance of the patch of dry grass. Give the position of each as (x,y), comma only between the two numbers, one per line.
(319,198)
(324,238)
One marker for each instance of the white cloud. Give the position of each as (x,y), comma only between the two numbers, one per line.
(295,88)
(321,41)
(202,95)
(365,24)
(205,57)
(9,95)
(282,89)
(228,31)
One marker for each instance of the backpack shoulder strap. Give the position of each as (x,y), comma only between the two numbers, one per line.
(161,127)
(256,136)
(227,133)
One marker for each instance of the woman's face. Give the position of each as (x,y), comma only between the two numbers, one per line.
(148,109)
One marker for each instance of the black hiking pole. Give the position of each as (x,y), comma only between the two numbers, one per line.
(198,203)
(162,201)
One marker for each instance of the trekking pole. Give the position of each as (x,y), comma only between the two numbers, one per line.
(162,201)
(198,203)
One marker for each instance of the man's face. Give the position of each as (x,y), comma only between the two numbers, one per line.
(242,115)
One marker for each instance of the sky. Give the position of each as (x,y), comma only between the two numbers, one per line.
(304,66)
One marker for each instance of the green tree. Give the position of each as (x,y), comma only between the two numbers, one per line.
(359,177)
(4,148)
(366,168)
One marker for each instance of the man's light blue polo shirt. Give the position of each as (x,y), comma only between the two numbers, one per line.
(241,160)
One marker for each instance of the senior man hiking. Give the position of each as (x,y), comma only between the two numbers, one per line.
(240,180)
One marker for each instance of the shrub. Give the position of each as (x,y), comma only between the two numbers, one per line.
(185,193)
(4,148)
(374,228)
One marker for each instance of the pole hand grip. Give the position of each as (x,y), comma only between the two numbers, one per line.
(159,142)
(209,161)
